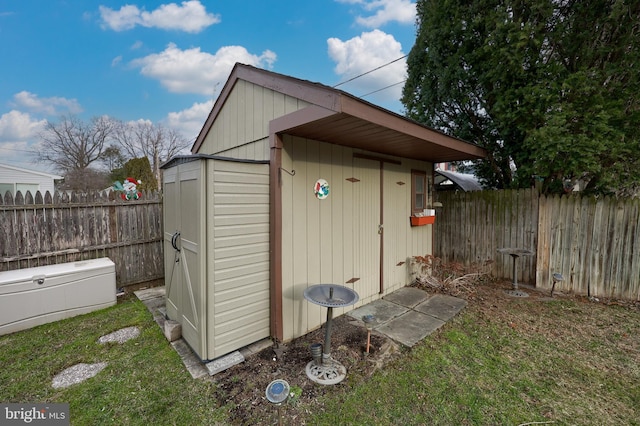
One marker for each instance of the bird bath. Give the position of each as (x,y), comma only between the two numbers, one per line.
(329,371)
(515,253)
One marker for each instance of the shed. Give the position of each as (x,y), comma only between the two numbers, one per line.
(14,179)
(254,231)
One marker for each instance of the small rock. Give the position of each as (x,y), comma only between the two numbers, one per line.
(120,336)
(172,330)
(77,374)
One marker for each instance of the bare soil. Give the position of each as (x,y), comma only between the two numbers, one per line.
(243,386)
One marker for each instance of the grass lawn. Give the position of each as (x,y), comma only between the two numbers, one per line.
(561,362)
(509,362)
(144,382)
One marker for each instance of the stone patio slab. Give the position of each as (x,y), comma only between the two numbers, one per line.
(442,306)
(381,309)
(410,328)
(407,296)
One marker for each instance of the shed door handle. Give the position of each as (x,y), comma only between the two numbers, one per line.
(174,241)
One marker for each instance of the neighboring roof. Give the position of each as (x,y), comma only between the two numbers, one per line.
(462,181)
(340,118)
(34,172)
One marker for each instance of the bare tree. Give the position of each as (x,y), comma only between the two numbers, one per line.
(145,139)
(73,144)
(88,179)
(112,158)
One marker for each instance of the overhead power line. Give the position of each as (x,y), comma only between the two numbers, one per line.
(15,149)
(370,71)
(384,88)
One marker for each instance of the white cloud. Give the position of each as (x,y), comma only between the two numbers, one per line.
(18,137)
(17,127)
(189,122)
(194,71)
(191,16)
(49,106)
(401,11)
(364,53)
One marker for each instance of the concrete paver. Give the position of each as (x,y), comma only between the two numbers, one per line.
(410,314)
(410,328)
(407,296)
(442,306)
(406,316)
(382,309)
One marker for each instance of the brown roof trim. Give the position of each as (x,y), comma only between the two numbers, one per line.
(372,113)
(298,118)
(313,93)
(336,101)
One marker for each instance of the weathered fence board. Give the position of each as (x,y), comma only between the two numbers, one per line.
(472,226)
(44,230)
(593,243)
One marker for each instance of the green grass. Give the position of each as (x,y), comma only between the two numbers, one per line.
(566,362)
(560,362)
(145,381)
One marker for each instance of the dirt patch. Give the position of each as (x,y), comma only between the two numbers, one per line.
(244,385)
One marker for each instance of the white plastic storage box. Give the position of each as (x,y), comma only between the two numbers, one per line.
(34,296)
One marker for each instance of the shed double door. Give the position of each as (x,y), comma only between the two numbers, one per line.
(380,204)
(184,248)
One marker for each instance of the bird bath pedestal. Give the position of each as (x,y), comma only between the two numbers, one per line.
(515,253)
(329,371)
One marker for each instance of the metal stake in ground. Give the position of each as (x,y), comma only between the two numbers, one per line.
(277,392)
(369,322)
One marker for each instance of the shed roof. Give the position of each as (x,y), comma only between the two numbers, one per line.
(459,180)
(340,118)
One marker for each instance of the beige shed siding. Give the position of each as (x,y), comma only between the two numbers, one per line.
(241,129)
(336,239)
(238,255)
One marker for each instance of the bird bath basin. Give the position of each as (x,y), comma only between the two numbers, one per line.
(330,296)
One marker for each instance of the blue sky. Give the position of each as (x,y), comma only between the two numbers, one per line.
(167,61)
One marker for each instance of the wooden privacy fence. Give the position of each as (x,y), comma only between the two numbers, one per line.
(593,242)
(472,226)
(68,227)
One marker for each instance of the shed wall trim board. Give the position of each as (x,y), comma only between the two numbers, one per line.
(275,241)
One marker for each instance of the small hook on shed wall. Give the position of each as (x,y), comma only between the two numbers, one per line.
(290,173)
